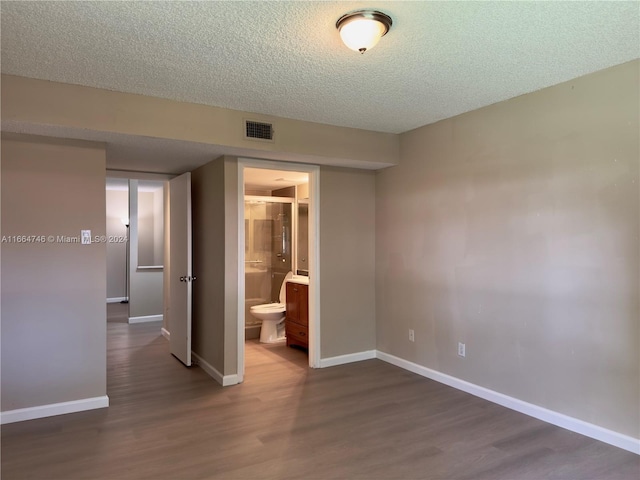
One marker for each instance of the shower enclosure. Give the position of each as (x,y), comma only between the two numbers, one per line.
(267,252)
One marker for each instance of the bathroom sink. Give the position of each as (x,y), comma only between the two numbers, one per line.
(299,279)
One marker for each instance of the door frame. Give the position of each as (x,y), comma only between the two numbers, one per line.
(314,253)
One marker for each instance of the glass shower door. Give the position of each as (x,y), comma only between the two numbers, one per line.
(281,213)
(268,256)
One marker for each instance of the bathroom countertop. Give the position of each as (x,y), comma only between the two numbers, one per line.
(299,279)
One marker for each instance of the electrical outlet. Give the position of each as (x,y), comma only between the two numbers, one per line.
(461,349)
(412,335)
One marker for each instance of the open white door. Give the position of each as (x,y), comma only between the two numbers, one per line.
(180,291)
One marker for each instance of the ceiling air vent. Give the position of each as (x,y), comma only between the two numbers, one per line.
(258,130)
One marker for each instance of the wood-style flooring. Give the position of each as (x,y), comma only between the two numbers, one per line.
(366,420)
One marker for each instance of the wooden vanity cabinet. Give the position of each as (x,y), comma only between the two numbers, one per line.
(297,317)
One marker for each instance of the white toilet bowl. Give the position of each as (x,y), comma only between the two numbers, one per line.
(272,316)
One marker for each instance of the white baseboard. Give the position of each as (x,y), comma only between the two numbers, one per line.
(224,380)
(570,423)
(146,318)
(165,333)
(116,299)
(22,414)
(349,358)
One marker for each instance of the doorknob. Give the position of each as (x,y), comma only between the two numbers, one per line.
(182,279)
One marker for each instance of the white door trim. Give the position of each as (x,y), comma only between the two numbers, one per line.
(314,253)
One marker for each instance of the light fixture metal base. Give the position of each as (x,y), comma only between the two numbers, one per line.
(383,18)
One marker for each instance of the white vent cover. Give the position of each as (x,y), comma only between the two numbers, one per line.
(258,130)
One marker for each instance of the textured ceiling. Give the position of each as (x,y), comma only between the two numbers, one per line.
(285,58)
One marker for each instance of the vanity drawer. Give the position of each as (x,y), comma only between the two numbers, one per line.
(297,334)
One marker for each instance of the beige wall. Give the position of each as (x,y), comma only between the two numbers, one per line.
(158,226)
(53,294)
(347,226)
(303,191)
(146,229)
(347,261)
(231,265)
(214,197)
(514,229)
(145,286)
(37,102)
(117,209)
(151,227)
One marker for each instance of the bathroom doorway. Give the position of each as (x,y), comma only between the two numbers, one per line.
(277,233)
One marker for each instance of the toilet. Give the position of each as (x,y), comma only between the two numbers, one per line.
(272,315)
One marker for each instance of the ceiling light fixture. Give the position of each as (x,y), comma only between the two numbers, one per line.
(361,30)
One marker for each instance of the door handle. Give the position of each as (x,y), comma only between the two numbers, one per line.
(188,279)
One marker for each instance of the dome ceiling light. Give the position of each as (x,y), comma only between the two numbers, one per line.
(361,30)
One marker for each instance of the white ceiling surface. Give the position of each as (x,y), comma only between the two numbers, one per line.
(286,59)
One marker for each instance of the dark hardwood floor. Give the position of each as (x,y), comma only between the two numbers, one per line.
(367,420)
